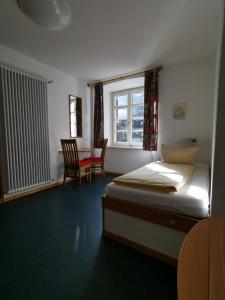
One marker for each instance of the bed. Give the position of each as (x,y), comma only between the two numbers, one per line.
(152,222)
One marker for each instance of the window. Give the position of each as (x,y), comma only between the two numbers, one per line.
(128,117)
(75,110)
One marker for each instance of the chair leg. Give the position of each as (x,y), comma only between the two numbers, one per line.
(90,174)
(64,179)
(87,173)
(79,175)
(102,170)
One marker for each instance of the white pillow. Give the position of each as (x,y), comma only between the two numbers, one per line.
(178,155)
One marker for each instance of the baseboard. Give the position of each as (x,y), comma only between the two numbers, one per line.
(44,187)
(169,260)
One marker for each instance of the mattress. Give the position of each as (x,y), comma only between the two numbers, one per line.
(191,200)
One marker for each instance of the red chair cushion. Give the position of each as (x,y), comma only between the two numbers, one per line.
(94,159)
(85,162)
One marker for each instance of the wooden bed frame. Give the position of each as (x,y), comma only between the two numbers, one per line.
(149,217)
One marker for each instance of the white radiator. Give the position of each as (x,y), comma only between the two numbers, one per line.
(24,129)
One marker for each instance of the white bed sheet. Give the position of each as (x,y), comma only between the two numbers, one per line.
(191,200)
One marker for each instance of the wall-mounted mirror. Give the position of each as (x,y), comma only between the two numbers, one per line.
(75,107)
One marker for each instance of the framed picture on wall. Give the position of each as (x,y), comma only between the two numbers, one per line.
(179,111)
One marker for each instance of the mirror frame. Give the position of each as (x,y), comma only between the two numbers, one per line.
(78,116)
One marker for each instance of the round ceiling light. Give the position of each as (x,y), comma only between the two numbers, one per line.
(50,14)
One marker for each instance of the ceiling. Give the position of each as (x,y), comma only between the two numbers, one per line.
(112,37)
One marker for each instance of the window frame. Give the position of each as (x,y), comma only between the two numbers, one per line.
(129,142)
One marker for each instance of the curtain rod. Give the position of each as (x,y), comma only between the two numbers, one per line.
(123,77)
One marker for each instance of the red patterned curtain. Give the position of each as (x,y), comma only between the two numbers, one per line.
(150,135)
(98,116)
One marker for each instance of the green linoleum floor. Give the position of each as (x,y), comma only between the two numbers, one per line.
(51,248)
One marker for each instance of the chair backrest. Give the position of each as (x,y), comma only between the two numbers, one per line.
(70,153)
(105,141)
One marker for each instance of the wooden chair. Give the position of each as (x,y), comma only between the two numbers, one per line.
(73,166)
(97,163)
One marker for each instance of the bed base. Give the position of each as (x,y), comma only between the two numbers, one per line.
(167,259)
(155,232)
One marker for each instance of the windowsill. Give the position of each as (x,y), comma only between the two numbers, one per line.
(125,147)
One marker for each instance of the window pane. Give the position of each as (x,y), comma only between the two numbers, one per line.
(121,136)
(138,97)
(73,124)
(121,114)
(137,136)
(137,124)
(138,111)
(73,118)
(73,130)
(121,100)
(122,124)
(72,106)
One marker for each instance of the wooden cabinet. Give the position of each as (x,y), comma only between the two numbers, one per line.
(217,259)
(193,267)
(201,265)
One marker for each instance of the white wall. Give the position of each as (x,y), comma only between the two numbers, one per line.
(58,103)
(192,83)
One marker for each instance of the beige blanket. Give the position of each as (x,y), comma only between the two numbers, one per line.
(158,176)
